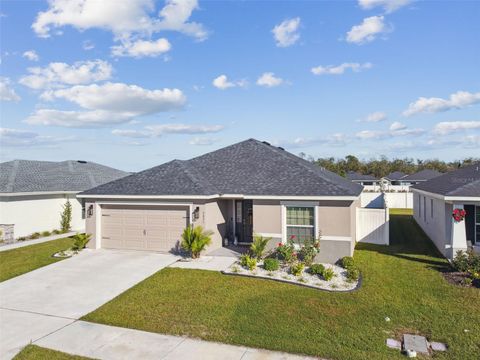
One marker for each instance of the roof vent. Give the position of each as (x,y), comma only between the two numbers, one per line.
(81,161)
(281,148)
(266,143)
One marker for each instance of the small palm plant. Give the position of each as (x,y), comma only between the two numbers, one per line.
(258,245)
(80,241)
(195,240)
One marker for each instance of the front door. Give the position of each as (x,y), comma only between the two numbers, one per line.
(244,221)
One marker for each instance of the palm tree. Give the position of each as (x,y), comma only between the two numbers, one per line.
(195,240)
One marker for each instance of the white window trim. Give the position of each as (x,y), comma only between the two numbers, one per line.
(477,241)
(285,204)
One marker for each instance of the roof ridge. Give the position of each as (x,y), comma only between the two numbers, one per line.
(12,176)
(188,170)
(304,163)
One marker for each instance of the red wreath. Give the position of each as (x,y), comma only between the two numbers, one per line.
(459,215)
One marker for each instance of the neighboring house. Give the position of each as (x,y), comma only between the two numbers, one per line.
(32,193)
(361,179)
(419,177)
(435,201)
(244,189)
(395,177)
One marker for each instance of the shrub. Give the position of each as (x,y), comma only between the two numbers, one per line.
(22,238)
(79,241)
(258,245)
(286,252)
(56,232)
(271,264)
(195,240)
(353,273)
(328,274)
(66,217)
(35,235)
(297,268)
(308,251)
(466,262)
(248,262)
(347,262)
(46,233)
(317,269)
(467,281)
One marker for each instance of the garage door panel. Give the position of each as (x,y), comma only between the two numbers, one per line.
(143,228)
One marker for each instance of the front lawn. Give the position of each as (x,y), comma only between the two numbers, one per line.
(33,352)
(402,282)
(22,260)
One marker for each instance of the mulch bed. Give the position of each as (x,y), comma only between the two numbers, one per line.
(457,278)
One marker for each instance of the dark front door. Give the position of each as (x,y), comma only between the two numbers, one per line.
(244,221)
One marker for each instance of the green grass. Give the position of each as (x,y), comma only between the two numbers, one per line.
(33,352)
(396,211)
(22,260)
(402,281)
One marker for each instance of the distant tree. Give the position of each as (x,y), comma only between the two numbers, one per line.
(66,217)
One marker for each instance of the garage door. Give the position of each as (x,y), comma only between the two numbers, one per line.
(143,228)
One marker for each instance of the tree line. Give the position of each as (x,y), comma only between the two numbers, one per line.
(384,166)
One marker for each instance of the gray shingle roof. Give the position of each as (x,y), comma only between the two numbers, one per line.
(462,182)
(20,176)
(246,168)
(355,176)
(422,175)
(396,175)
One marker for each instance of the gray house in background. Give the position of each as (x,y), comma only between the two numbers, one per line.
(420,176)
(361,179)
(244,189)
(434,202)
(32,193)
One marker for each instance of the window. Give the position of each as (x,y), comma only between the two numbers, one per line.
(431,208)
(424,208)
(300,222)
(419,206)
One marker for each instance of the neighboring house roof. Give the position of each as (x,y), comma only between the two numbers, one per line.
(355,176)
(24,176)
(422,175)
(396,175)
(464,182)
(250,167)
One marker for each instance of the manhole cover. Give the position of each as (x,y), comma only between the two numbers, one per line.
(416,343)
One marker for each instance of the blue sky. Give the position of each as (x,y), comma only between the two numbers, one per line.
(133,84)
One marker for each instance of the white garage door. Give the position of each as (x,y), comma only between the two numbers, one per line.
(143,228)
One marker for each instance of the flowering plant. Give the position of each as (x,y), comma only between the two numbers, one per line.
(459,215)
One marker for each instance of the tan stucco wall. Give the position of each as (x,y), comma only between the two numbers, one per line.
(335,218)
(216,217)
(267,217)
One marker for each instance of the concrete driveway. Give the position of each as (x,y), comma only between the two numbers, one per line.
(42,301)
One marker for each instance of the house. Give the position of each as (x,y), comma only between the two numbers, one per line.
(244,189)
(361,179)
(419,177)
(32,193)
(394,178)
(436,200)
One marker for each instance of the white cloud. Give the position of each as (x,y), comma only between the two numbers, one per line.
(31,55)
(458,100)
(59,74)
(106,104)
(388,5)
(336,139)
(16,137)
(122,19)
(340,69)
(6,92)
(159,130)
(376,116)
(397,126)
(121,98)
(269,79)
(395,130)
(368,30)
(76,119)
(142,48)
(286,33)
(88,45)
(202,141)
(221,82)
(447,127)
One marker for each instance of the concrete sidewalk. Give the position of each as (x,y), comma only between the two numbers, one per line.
(37,241)
(214,263)
(109,342)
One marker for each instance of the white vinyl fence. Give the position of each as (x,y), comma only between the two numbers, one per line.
(373,226)
(402,200)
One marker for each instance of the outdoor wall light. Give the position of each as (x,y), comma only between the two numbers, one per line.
(196,213)
(90,211)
